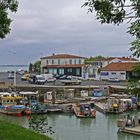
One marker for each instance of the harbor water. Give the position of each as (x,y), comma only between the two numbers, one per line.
(68,127)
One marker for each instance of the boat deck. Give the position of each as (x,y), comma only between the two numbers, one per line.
(77,110)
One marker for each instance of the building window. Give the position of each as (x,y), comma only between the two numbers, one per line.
(52,61)
(78,71)
(58,61)
(95,63)
(100,64)
(61,71)
(113,73)
(122,73)
(79,61)
(70,61)
(75,61)
(54,71)
(69,70)
(47,62)
(50,71)
(104,73)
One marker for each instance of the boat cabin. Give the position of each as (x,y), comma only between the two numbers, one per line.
(10,99)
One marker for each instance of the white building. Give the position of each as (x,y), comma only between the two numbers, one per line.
(121,71)
(95,66)
(63,64)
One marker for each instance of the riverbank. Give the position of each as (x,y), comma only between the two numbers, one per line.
(10,131)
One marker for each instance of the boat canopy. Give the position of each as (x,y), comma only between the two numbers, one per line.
(28,93)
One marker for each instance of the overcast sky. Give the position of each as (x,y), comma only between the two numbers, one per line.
(44,27)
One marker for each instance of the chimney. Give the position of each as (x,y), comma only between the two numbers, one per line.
(130,57)
(53,54)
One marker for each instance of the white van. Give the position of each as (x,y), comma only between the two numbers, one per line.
(39,79)
(49,77)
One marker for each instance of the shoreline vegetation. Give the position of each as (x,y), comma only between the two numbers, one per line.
(10,131)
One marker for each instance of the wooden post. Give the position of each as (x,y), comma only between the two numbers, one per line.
(53,96)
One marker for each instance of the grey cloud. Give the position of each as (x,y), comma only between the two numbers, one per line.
(46,27)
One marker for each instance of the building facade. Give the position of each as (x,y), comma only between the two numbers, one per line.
(63,64)
(99,63)
(121,71)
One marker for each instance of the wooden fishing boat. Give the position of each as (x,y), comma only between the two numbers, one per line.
(84,110)
(10,104)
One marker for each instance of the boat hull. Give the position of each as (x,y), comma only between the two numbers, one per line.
(81,115)
(12,110)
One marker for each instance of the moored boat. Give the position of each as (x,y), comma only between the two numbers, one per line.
(10,104)
(129,124)
(38,108)
(53,108)
(84,110)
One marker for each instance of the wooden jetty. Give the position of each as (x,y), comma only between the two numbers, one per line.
(133,130)
(100,107)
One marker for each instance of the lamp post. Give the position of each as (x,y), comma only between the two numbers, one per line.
(14,53)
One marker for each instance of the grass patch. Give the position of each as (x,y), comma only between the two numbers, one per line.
(9,131)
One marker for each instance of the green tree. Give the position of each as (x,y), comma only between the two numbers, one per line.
(91,59)
(37,66)
(116,12)
(30,67)
(133,85)
(5,21)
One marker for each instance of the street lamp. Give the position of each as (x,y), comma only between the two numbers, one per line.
(14,53)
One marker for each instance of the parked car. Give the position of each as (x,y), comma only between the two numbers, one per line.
(58,76)
(39,79)
(11,75)
(25,77)
(63,77)
(20,71)
(49,77)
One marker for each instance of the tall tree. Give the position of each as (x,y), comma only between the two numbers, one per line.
(37,66)
(133,85)
(116,12)
(30,67)
(5,21)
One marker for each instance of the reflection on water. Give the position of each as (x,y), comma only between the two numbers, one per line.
(123,136)
(68,127)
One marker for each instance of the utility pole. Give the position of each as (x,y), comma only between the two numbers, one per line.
(15,82)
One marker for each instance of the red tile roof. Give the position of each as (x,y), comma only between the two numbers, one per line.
(119,66)
(64,66)
(127,59)
(56,56)
(121,58)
